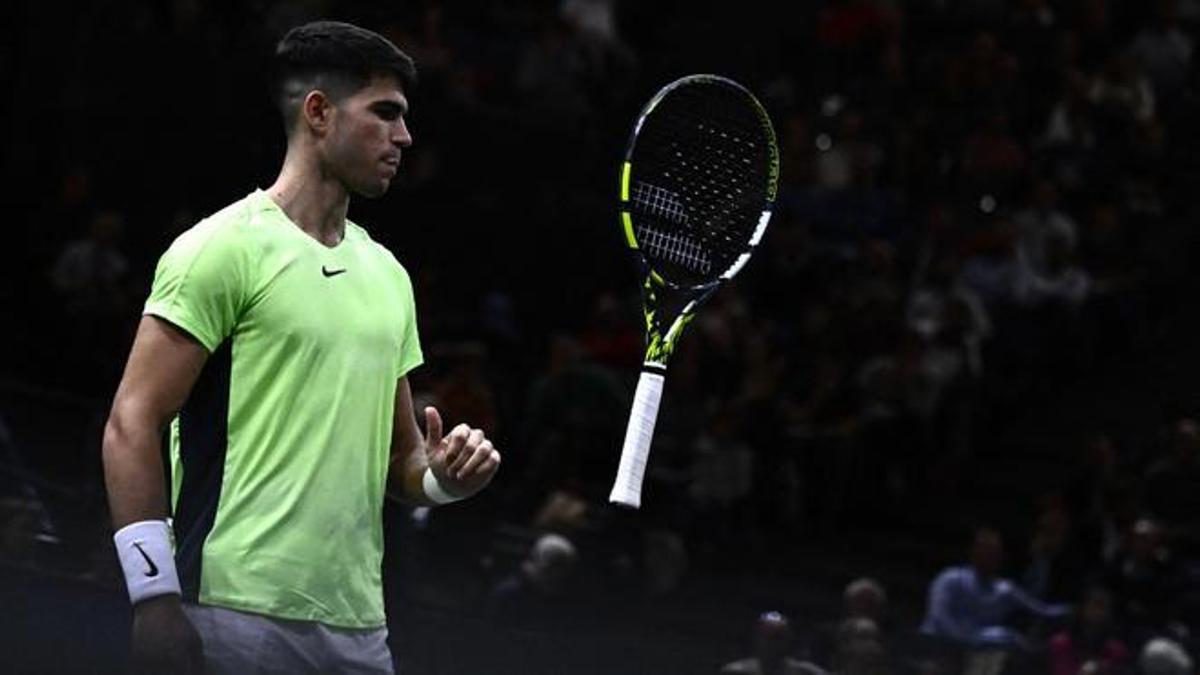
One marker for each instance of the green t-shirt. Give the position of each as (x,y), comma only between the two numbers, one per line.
(280,455)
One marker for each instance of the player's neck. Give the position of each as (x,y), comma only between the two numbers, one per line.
(316,203)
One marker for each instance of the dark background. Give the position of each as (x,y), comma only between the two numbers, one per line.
(973,306)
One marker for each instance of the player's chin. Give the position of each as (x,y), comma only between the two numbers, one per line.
(373,188)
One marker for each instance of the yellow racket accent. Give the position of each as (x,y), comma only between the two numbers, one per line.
(628,222)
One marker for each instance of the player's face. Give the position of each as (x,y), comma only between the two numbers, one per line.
(364,145)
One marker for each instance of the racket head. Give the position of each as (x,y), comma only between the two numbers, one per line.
(698,182)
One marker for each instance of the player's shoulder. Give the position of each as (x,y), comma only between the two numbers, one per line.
(226,227)
(380,252)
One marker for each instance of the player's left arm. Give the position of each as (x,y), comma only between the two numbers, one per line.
(432,469)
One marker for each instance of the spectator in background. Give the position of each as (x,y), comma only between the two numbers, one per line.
(900,391)
(875,298)
(90,272)
(1058,281)
(1122,94)
(1142,577)
(553,73)
(863,598)
(1120,509)
(721,330)
(773,638)
(578,410)
(722,476)
(610,338)
(986,73)
(1041,220)
(595,22)
(1069,138)
(950,317)
(463,393)
(989,264)
(665,562)
(1106,244)
(1172,486)
(933,370)
(594,18)
(91,277)
(812,472)
(971,606)
(1031,31)
(865,608)
(1161,656)
(1051,573)
(1164,50)
(1047,274)
(1088,495)
(1091,645)
(849,158)
(860,649)
(538,593)
(993,158)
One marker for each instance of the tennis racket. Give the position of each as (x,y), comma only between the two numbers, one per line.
(698,182)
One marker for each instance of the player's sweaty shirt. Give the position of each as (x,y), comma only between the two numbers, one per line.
(280,455)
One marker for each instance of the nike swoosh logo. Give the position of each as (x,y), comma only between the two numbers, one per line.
(331,273)
(153,571)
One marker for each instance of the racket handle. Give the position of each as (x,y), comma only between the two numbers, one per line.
(627,489)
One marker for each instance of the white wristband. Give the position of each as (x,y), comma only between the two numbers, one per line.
(434,490)
(148,559)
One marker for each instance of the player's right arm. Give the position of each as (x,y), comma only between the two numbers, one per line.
(163,365)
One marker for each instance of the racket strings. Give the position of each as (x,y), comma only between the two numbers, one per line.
(711,155)
(703,174)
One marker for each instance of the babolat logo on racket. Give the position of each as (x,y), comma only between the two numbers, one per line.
(675,248)
(660,202)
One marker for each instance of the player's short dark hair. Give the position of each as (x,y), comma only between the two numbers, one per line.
(337,58)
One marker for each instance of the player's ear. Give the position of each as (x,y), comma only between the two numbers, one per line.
(317,110)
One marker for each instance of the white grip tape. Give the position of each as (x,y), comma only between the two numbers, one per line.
(148,559)
(627,489)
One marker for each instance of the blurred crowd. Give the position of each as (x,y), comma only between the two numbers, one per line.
(979,259)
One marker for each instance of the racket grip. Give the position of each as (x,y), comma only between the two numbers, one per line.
(627,489)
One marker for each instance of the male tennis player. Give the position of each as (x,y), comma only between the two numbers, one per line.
(275,344)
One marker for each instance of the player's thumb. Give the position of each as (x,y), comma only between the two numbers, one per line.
(433,426)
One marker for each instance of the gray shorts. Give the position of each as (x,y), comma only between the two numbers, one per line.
(241,643)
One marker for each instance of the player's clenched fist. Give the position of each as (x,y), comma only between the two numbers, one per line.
(463,461)
(164,641)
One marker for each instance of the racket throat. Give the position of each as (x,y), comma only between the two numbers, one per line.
(660,344)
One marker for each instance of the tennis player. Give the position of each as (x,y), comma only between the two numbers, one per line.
(274,348)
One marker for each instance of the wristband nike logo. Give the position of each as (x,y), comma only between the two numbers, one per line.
(331,273)
(153,571)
